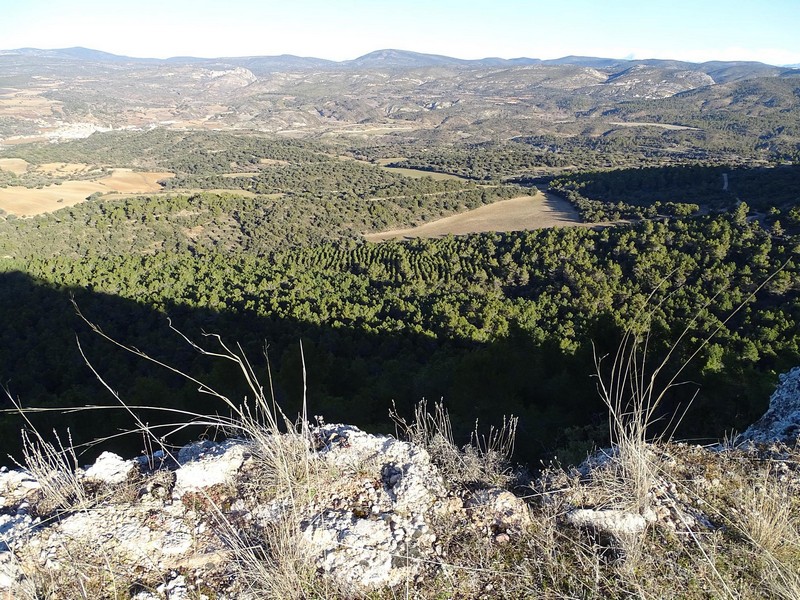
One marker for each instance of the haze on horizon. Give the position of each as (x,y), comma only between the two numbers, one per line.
(680,29)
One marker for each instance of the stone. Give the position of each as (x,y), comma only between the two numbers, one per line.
(10,573)
(781,422)
(13,529)
(213,465)
(175,589)
(497,509)
(617,523)
(16,485)
(407,474)
(110,468)
(376,533)
(198,450)
(368,528)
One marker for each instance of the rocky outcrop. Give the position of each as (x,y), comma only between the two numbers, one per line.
(781,422)
(366,524)
(365,513)
(619,523)
(376,514)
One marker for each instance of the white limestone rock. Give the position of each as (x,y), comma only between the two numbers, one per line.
(10,574)
(207,465)
(198,450)
(781,422)
(353,550)
(140,536)
(15,486)
(175,589)
(110,468)
(497,510)
(14,529)
(408,476)
(367,532)
(618,523)
(368,526)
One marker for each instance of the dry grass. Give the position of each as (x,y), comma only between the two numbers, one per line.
(753,553)
(23,201)
(55,468)
(14,165)
(277,565)
(767,515)
(746,545)
(85,573)
(270,561)
(485,460)
(765,511)
(415,173)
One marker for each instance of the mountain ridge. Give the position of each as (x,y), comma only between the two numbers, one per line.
(384,57)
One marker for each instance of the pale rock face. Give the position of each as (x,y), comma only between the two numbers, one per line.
(15,486)
(14,528)
(10,574)
(368,526)
(382,521)
(408,475)
(498,510)
(204,465)
(110,468)
(781,422)
(160,531)
(131,532)
(352,549)
(618,523)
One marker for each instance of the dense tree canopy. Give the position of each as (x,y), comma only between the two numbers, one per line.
(493,323)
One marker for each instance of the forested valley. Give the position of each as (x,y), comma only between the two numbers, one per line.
(259,239)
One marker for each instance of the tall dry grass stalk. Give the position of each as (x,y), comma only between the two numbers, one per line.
(484,460)
(54,465)
(271,560)
(633,390)
(281,444)
(55,468)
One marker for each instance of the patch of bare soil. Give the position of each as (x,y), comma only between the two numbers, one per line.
(538,211)
(27,104)
(23,201)
(126,180)
(14,165)
(417,173)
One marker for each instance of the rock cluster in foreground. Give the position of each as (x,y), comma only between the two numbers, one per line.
(361,514)
(368,528)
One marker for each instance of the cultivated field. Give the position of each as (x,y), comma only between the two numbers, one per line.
(23,202)
(414,172)
(526,212)
(27,104)
(14,165)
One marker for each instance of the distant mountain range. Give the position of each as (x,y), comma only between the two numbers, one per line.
(710,107)
(389,58)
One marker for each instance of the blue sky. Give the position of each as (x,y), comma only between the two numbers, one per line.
(341,29)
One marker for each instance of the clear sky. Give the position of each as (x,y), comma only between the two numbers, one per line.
(696,30)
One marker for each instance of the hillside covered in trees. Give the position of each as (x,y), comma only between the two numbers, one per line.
(498,323)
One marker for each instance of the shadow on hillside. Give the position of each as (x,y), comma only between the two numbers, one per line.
(354,376)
